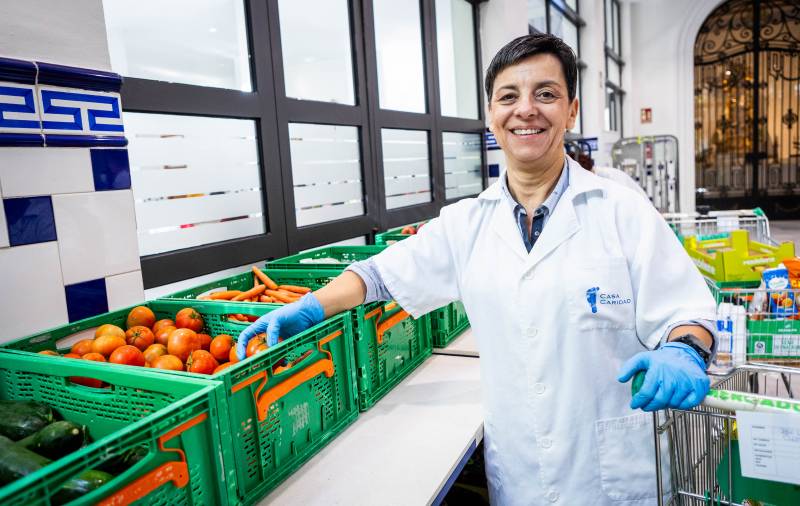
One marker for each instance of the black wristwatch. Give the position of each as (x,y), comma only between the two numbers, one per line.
(696,344)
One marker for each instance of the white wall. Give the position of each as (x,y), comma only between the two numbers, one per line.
(69,32)
(662,70)
(71,245)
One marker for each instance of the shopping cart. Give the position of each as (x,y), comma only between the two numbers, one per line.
(702,443)
(765,323)
(719,222)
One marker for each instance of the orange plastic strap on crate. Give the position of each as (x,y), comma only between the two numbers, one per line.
(382,327)
(263,402)
(176,472)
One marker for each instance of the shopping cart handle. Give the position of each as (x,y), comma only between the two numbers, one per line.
(638,381)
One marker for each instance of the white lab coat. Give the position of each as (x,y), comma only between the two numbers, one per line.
(558,428)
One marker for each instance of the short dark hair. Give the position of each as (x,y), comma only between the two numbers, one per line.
(530,45)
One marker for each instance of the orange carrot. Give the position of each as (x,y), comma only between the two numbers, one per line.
(250,293)
(227,295)
(279,296)
(290,294)
(295,289)
(204,297)
(264,278)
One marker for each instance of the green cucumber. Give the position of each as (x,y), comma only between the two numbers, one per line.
(17,462)
(82,485)
(20,419)
(119,463)
(56,440)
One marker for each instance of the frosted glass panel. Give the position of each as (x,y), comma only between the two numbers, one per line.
(202,42)
(196,180)
(563,28)
(398,44)
(614,72)
(455,39)
(315,40)
(537,15)
(462,164)
(326,172)
(406,167)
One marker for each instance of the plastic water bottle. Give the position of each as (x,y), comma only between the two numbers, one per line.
(724,357)
(739,335)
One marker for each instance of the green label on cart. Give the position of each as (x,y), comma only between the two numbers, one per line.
(726,395)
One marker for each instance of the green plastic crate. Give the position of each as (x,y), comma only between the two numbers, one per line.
(137,410)
(773,339)
(379,366)
(280,420)
(331,257)
(389,346)
(268,445)
(215,317)
(393,235)
(244,281)
(448,323)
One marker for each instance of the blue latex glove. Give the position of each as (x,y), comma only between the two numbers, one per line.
(676,378)
(285,321)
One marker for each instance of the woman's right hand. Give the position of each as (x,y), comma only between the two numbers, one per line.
(285,322)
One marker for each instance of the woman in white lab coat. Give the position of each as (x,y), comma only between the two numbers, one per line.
(572,283)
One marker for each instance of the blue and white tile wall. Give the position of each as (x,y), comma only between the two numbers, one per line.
(68,245)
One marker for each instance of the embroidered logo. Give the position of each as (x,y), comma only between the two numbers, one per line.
(591,297)
(594,297)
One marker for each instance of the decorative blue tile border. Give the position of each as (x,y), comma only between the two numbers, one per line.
(43,104)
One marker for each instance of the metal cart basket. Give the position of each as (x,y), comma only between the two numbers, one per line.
(719,222)
(765,321)
(703,444)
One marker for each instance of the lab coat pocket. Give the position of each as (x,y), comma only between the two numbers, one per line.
(626,457)
(601,295)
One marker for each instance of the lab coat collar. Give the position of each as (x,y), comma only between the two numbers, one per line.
(580,181)
(562,224)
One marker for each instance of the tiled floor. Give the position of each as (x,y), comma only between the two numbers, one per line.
(786,231)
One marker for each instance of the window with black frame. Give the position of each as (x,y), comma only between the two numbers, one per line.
(561,18)
(614,65)
(253,134)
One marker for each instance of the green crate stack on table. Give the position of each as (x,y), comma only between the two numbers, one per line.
(278,408)
(447,322)
(388,343)
(161,442)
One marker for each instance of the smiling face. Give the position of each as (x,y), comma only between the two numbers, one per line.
(529,111)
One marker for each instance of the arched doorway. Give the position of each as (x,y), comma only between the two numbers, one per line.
(742,73)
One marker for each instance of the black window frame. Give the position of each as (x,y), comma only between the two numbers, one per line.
(268,105)
(613,52)
(572,16)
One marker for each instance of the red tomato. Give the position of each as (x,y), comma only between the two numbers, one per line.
(182,342)
(205,341)
(188,318)
(127,355)
(201,361)
(140,336)
(221,347)
(166,322)
(140,316)
(153,352)
(168,362)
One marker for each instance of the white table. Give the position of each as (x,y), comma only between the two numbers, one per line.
(404,449)
(464,345)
